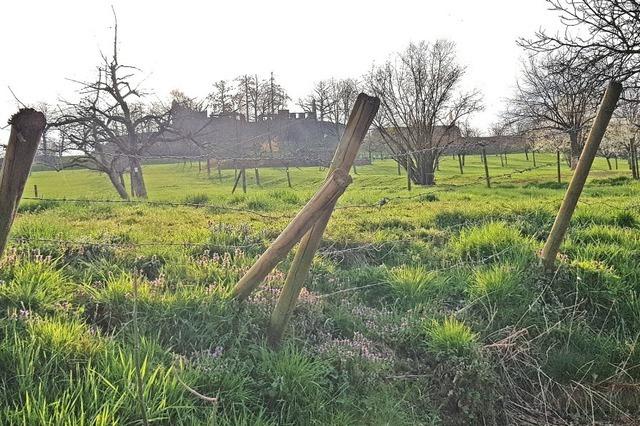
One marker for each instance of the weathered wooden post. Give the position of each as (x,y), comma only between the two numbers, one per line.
(361,117)
(615,159)
(199,166)
(633,158)
(408,172)
(35,190)
(26,130)
(288,177)
(235,182)
(209,167)
(333,187)
(558,165)
(599,126)
(506,159)
(243,173)
(501,161)
(460,164)
(257,177)
(486,168)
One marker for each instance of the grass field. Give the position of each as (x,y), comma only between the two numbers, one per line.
(427,308)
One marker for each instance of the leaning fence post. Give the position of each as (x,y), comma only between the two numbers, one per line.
(26,130)
(486,168)
(304,220)
(599,126)
(358,124)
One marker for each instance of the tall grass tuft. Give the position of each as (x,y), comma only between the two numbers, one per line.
(450,337)
(491,242)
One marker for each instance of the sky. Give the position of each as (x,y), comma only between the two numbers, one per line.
(188,44)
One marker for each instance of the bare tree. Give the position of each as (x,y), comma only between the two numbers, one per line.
(600,33)
(223,99)
(624,133)
(110,126)
(552,96)
(320,101)
(421,104)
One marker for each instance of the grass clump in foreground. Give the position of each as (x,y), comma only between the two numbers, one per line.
(430,309)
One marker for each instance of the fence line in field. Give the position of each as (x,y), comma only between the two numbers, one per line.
(291,156)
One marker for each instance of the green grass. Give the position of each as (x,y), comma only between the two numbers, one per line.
(428,308)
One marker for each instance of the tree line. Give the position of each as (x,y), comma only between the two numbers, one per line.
(111,123)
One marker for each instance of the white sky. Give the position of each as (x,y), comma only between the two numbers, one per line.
(189,44)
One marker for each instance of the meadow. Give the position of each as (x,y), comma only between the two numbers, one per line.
(426,306)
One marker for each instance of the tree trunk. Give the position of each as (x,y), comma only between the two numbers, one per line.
(118,183)
(137,179)
(423,170)
(576,149)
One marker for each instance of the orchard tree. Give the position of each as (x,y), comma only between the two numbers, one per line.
(419,91)
(110,126)
(597,34)
(552,96)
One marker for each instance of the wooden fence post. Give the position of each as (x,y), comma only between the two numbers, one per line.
(460,164)
(257,177)
(35,190)
(208,167)
(304,220)
(399,171)
(361,117)
(558,165)
(26,130)
(486,168)
(288,177)
(633,158)
(615,159)
(219,171)
(243,172)
(408,172)
(533,155)
(599,126)
(501,161)
(506,159)
(235,183)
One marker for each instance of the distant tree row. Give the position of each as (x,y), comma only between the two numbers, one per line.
(110,124)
